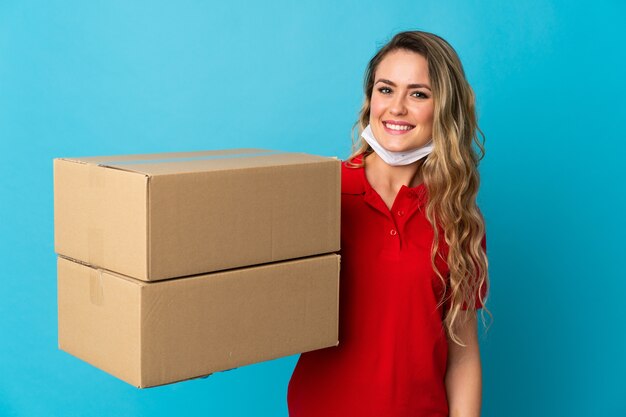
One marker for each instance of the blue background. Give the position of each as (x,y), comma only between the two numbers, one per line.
(81,78)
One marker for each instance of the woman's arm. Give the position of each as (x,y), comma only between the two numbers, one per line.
(464,374)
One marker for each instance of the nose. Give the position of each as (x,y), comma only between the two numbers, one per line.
(397,106)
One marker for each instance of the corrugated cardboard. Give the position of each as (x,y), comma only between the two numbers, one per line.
(154,333)
(161,216)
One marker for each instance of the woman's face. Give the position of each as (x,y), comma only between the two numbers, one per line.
(401,108)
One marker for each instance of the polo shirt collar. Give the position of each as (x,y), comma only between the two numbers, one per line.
(353,181)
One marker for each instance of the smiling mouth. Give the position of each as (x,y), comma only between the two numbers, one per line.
(398,127)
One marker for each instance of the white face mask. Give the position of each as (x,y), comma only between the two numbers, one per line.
(396,158)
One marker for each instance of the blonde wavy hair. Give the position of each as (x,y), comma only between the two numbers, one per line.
(450,172)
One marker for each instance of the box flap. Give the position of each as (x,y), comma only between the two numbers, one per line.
(97,160)
(213,163)
(203,161)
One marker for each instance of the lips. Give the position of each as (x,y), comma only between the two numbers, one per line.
(396,126)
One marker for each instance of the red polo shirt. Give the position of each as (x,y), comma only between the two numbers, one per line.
(392,353)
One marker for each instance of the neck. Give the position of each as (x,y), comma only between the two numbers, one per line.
(393,177)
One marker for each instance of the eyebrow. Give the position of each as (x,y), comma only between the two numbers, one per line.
(391,83)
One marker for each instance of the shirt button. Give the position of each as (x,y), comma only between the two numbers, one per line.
(393,232)
(400,212)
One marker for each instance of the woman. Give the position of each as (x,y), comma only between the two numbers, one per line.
(414,267)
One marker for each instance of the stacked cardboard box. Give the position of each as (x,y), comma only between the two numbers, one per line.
(174,266)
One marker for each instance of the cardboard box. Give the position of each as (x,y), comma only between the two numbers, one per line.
(154,333)
(160,216)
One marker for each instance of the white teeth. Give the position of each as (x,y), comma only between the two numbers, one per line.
(398,127)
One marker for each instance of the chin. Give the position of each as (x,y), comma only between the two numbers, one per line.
(394,146)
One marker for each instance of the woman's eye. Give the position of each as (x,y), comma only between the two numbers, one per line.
(385,90)
(419,94)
